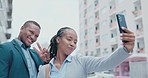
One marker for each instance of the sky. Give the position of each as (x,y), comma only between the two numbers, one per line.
(50,14)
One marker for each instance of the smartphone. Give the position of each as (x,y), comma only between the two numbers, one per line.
(121,23)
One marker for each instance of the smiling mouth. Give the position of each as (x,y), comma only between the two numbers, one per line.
(71,49)
(29,40)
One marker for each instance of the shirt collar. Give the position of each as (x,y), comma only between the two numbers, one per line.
(68,59)
(21,44)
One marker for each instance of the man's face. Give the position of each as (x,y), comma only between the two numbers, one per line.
(29,34)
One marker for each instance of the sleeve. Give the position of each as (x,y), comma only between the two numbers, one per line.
(96,64)
(4,61)
(41,73)
(36,57)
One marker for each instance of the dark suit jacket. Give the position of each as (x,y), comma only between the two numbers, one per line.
(13,63)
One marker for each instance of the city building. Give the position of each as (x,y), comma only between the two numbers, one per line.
(99,33)
(5,20)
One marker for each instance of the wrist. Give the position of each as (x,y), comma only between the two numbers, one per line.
(128,51)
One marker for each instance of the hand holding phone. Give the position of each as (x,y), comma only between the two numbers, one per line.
(121,23)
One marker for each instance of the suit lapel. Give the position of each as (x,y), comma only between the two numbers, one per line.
(34,58)
(18,48)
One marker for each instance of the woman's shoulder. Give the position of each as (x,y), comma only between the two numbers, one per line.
(80,56)
(42,71)
(42,67)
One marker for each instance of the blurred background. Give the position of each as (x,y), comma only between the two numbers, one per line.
(94,22)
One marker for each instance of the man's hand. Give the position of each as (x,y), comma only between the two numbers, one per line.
(43,53)
(130,37)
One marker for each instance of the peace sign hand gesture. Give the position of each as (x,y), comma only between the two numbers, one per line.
(43,53)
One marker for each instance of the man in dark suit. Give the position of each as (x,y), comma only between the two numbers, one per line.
(17,60)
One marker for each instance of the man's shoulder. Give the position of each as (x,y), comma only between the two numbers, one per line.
(6,44)
(6,47)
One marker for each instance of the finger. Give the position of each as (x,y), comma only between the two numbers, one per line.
(44,49)
(48,57)
(127,35)
(126,30)
(130,39)
(39,46)
(36,50)
(128,43)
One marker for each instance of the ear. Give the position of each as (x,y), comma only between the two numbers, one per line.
(58,39)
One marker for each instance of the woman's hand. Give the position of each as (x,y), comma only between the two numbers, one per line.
(130,38)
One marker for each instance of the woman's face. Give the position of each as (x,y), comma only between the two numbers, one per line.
(67,43)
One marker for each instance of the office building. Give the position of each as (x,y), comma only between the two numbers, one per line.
(5,20)
(100,36)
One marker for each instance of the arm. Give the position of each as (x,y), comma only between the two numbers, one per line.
(130,37)
(4,61)
(96,64)
(43,71)
(117,57)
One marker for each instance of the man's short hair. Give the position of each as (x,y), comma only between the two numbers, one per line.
(33,22)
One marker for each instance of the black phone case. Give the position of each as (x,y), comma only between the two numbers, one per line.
(121,23)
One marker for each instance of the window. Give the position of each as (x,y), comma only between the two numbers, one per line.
(92,53)
(114,47)
(125,68)
(98,53)
(97,15)
(90,9)
(137,8)
(90,20)
(1,29)
(103,24)
(111,4)
(97,39)
(105,37)
(85,32)
(85,2)
(120,1)
(0,23)
(137,5)
(113,33)
(139,24)
(103,11)
(137,27)
(140,45)
(86,53)
(105,51)
(85,21)
(85,12)
(0,4)
(96,2)
(86,43)
(97,26)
